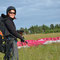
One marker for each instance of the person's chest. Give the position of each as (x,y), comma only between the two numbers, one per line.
(13,24)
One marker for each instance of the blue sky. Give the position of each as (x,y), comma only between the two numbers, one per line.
(33,12)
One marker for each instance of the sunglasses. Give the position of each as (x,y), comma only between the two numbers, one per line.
(12,12)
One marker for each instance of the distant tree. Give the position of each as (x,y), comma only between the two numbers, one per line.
(51,26)
(36,29)
(59,25)
(21,28)
(31,29)
(40,29)
(56,26)
(44,27)
(26,31)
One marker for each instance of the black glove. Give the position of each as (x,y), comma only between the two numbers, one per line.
(22,40)
(26,42)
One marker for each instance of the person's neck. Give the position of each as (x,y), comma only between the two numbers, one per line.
(11,18)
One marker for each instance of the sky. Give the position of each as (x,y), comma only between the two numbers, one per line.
(33,12)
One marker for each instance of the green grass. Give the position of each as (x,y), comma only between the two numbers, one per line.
(37,36)
(41,52)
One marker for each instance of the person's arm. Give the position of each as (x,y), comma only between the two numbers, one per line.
(12,30)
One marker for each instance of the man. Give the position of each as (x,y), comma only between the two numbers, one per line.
(10,16)
(10,26)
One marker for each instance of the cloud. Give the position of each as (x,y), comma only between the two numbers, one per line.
(34,11)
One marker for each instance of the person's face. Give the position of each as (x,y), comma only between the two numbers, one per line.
(12,13)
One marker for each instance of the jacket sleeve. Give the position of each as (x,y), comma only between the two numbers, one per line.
(12,30)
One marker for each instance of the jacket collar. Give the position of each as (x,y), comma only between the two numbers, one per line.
(5,16)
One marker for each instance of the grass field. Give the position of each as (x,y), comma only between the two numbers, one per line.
(41,52)
(37,36)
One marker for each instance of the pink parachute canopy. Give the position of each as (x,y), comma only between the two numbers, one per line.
(39,42)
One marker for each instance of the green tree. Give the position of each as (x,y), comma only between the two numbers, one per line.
(26,31)
(56,26)
(31,29)
(44,28)
(51,26)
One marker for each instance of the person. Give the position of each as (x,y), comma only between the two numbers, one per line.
(10,16)
(10,26)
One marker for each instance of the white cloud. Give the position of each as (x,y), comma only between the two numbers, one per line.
(34,10)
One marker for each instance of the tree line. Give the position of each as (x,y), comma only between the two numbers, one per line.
(42,29)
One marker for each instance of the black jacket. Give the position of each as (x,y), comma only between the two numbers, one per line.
(11,29)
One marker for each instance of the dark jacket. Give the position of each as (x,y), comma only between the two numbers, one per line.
(11,29)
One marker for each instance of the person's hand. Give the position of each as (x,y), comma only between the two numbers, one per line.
(26,42)
(22,40)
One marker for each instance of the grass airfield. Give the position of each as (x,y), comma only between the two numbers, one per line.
(41,52)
